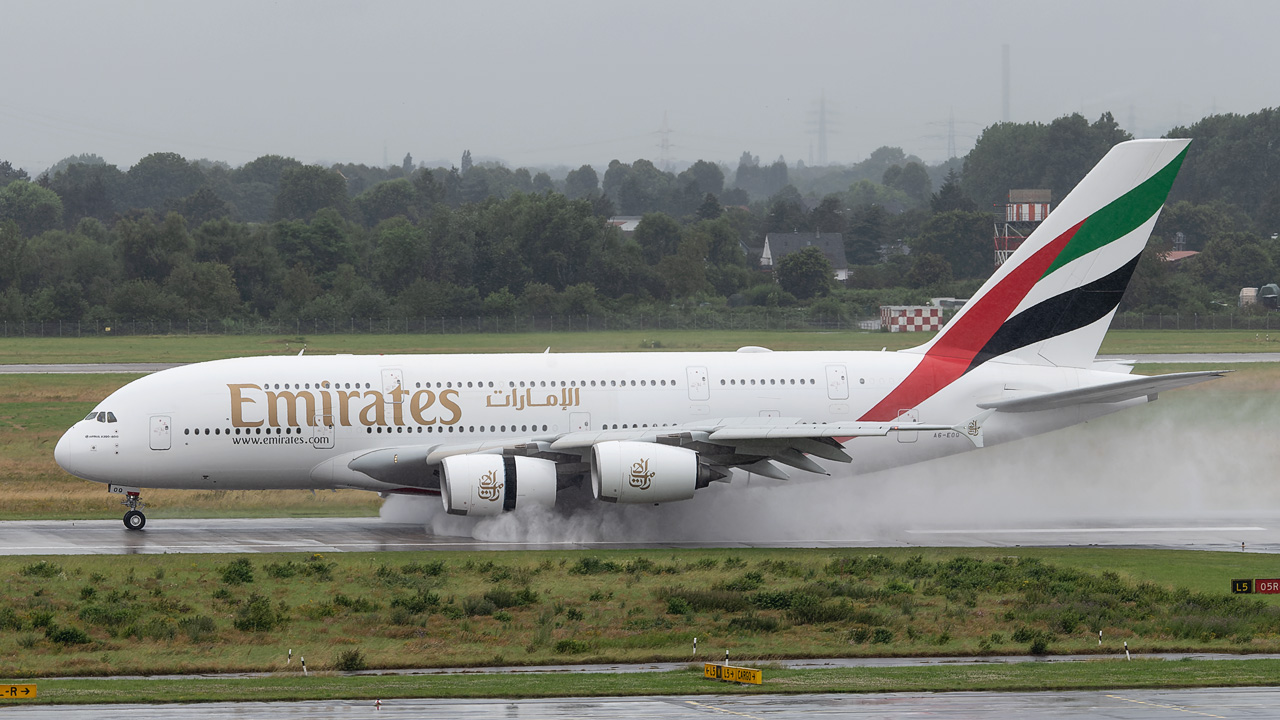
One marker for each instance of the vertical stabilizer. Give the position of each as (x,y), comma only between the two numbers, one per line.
(1052,301)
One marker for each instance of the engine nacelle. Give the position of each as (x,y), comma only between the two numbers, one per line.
(492,484)
(641,472)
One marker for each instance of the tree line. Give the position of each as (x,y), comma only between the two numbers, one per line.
(173,239)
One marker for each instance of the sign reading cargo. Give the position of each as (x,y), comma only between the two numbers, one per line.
(1266,586)
(711,671)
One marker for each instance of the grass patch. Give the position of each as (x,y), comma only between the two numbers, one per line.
(211,347)
(176,614)
(1097,675)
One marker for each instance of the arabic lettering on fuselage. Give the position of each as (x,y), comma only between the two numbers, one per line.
(569,397)
(369,408)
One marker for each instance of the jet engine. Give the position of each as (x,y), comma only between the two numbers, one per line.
(492,484)
(641,472)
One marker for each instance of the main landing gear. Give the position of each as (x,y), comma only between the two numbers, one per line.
(134,519)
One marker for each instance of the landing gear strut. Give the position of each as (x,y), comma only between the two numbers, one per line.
(134,519)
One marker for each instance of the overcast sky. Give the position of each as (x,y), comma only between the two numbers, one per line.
(566,83)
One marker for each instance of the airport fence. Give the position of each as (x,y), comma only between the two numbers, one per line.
(452,325)
(446,325)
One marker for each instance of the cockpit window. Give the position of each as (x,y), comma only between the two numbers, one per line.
(102,417)
(92,416)
(111,417)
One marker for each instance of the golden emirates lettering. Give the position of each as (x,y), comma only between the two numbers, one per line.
(640,476)
(490,488)
(255,406)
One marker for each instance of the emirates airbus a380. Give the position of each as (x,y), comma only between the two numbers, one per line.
(494,433)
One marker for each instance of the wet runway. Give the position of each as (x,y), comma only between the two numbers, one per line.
(328,535)
(1115,704)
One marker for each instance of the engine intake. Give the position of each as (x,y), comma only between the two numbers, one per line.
(492,484)
(641,472)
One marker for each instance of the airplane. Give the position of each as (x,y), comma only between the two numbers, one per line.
(496,433)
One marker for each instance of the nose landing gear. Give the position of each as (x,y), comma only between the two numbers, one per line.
(134,519)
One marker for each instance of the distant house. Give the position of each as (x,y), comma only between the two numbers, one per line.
(780,245)
(1173,257)
(626,223)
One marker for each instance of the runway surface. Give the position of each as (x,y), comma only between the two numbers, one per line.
(1116,704)
(1161,358)
(328,535)
(85,368)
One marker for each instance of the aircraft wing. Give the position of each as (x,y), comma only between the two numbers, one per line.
(1109,393)
(753,444)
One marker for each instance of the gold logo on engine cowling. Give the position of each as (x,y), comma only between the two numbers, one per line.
(490,488)
(640,476)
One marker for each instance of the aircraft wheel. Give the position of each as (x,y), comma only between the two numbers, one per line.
(134,520)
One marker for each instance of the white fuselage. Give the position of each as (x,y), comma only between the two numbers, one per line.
(288,422)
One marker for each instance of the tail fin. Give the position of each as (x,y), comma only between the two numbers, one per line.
(1052,301)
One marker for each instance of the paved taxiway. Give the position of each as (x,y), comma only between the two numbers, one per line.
(322,535)
(1115,704)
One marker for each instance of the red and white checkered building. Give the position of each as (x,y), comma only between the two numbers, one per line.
(911,318)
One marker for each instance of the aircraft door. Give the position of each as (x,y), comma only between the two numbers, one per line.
(837,382)
(161,432)
(911,415)
(323,432)
(699,388)
(579,422)
(392,380)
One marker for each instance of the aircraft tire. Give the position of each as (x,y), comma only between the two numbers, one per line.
(134,520)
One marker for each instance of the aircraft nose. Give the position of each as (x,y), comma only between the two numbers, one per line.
(70,453)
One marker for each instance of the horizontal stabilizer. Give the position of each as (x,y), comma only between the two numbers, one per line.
(1127,389)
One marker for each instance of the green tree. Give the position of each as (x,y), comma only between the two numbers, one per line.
(160,179)
(868,230)
(582,182)
(268,170)
(786,212)
(33,208)
(708,176)
(961,238)
(911,179)
(828,216)
(710,208)
(951,196)
(401,254)
(202,206)
(150,251)
(658,236)
(207,290)
(89,191)
(306,190)
(9,173)
(387,200)
(928,270)
(805,273)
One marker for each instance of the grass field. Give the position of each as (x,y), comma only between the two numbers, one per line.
(209,347)
(145,615)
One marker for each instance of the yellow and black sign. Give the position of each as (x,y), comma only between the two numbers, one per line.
(1242,587)
(17,692)
(711,671)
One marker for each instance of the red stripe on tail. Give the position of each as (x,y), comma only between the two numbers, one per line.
(953,351)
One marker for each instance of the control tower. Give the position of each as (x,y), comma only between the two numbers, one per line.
(1023,213)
